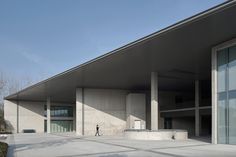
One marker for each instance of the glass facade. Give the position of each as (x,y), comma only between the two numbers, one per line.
(226,94)
(61,125)
(59,111)
(61,118)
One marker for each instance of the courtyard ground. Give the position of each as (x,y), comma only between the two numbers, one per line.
(69,145)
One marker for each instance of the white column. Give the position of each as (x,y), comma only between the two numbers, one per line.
(48,115)
(154,101)
(79,111)
(17,115)
(197,116)
(214,96)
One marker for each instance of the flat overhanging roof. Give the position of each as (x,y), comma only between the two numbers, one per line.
(179,53)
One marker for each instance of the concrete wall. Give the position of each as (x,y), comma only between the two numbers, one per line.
(10,112)
(105,107)
(31,115)
(185,123)
(136,109)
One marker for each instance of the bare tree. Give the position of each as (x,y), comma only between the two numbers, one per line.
(2,89)
(2,82)
(10,85)
(2,86)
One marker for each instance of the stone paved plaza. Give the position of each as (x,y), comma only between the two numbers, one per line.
(69,145)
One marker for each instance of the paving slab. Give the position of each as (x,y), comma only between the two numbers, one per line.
(70,145)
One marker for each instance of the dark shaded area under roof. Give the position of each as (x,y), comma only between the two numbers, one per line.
(180,54)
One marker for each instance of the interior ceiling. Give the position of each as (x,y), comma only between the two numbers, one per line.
(179,55)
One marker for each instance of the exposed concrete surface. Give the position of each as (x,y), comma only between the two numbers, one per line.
(107,108)
(154,101)
(68,145)
(79,107)
(184,123)
(10,114)
(136,110)
(111,109)
(31,115)
(156,135)
(48,115)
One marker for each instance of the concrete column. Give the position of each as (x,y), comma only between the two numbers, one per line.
(197,116)
(17,115)
(154,101)
(48,115)
(214,96)
(79,111)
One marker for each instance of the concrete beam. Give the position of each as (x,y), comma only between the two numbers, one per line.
(154,101)
(48,115)
(79,111)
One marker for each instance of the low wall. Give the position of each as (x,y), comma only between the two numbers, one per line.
(156,135)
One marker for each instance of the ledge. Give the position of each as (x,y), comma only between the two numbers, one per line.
(162,134)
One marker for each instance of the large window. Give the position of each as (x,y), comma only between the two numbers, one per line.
(226,91)
(61,126)
(60,111)
(61,118)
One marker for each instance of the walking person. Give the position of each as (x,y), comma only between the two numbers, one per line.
(97,131)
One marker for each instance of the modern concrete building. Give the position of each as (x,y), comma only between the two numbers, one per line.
(181,77)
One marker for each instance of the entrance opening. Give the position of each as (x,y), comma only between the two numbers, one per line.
(168,123)
(206,125)
(178,108)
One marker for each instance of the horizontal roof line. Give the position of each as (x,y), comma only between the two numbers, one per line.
(179,24)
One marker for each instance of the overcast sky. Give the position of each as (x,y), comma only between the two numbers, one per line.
(40,38)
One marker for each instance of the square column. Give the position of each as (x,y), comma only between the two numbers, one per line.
(79,111)
(154,101)
(197,115)
(214,96)
(48,115)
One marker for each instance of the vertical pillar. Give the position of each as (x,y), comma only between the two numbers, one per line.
(197,115)
(79,111)
(48,115)
(154,101)
(214,96)
(17,115)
